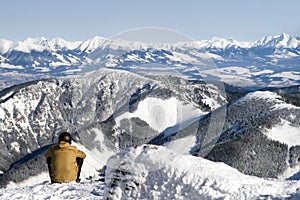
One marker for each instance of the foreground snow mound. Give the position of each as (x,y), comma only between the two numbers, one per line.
(155,172)
(88,191)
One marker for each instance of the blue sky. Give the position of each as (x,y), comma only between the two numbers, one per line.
(244,20)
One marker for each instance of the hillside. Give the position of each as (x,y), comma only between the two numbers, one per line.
(100,110)
(258,134)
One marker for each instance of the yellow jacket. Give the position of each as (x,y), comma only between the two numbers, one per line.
(63,162)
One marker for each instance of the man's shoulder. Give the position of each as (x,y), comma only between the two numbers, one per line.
(52,148)
(73,148)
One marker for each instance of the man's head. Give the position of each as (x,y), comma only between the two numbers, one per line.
(65,136)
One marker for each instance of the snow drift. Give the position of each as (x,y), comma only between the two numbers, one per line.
(155,172)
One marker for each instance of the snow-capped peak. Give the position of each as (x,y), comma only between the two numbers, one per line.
(59,43)
(5,45)
(280,41)
(265,96)
(41,43)
(222,43)
(37,44)
(29,44)
(54,44)
(91,44)
(36,41)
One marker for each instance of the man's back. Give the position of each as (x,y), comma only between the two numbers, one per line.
(63,165)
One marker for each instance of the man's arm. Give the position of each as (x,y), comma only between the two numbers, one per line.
(80,154)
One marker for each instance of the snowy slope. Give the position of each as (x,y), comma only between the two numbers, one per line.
(285,133)
(260,136)
(154,172)
(56,191)
(108,110)
(161,114)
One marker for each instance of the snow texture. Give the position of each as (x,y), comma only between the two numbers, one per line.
(152,172)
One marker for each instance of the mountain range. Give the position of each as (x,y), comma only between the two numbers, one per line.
(269,62)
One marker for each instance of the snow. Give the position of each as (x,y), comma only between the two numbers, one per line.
(262,72)
(154,172)
(102,153)
(279,41)
(224,43)
(5,45)
(9,66)
(278,103)
(42,69)
(288,75)
(92,44)
(285,133)
(262,95)
(241,76)
(58,43)
(182,145)
(291,173)
(161,114)
(88,191)
(7,95)
(2,114)
(38,44)
(15,146)
(266,95)
(215,43)
(234,75)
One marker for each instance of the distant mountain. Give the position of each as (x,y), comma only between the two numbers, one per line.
(270,62)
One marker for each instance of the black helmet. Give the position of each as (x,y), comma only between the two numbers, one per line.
(65,136)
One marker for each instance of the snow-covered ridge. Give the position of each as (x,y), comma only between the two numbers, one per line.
(37,44)
(31,110)
(91,44)
(280,41)
(41,43)
(263,95)
(269,62)
(273,97)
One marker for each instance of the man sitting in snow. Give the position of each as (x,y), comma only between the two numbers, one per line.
(64,160)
